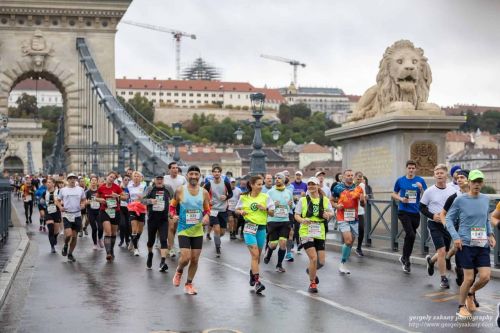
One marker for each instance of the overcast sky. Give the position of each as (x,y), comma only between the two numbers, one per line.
(341,42)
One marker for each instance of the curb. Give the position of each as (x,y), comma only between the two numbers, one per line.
(370,252)
(9,273)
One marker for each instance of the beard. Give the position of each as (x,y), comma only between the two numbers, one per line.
(193,181)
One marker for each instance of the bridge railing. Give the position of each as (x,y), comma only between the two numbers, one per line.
(5,209)
(381,223)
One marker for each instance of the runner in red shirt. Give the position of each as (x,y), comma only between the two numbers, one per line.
(109,194)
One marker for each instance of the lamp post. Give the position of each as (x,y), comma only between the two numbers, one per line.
(258,156)
(177,141)
(5,188)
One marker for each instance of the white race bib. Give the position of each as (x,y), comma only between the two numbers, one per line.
(314,230)
(51,209)
(111,203)
(27,198)
(193,216)
(94,204)
(349,215)
(411,195)
(250,228)
(159,206)
(214,213)
(281,211)
(478,237)
(111,212)
(70,217)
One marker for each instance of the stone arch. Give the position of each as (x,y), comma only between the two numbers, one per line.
(13,164)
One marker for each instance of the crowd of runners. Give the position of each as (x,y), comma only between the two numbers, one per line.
(280,213)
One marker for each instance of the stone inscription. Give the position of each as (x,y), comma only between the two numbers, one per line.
(373,162)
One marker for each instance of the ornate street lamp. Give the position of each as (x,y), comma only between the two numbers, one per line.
(177,141)
(258,156)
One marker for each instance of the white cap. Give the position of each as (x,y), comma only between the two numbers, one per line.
(232,180)
(286,173)
(298,173)
(71,175)
(313,180)
(319,173)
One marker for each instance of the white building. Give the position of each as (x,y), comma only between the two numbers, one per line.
(45,92)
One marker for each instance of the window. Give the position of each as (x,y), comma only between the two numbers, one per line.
(191,101)
(231,96)
(206,102)
(198,95)
(169,94)
(130,92)
(176,94)
(146,93)
(123,93)
(221,95)
(161,94)
(153,93)
(206,95)
(199,102)
(238,96)
(183,94)
(169,101)
(161,100)
(176,101)
(183,101)
(213,95)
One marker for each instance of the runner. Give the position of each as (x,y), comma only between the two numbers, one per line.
(93,212)
(124,226)
(255,207)
(408,190)
(361,213)
(28,191)
(268,183)
(299,190)
(462,178)
(220,191)
(85,221)
(53,217)
(431,204)
(194,212)
(70,201)
(174,180)
(137,210)
(108,195)
(42,207)
(232,216)
(311,212)
(453,173)
(278,226)
(157,197)
(473,241)
(346,196)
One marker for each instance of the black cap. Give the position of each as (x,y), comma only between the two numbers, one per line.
(194,168)
(159,176)
(464,172)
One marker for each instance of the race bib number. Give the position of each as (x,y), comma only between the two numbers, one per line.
(111,212)
(231,204)
(349,215)
(478,237)
(94,204)
(314,230)
(159,206)
(250,228)
(111,203)
(27,198)
(281,211)
(193,216)
(214,213)
(51,209)
(70,217)
(411,195)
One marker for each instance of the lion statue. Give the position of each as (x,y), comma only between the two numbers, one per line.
(403,82)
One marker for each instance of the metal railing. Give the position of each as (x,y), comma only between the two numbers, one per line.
(381,223)
(5,209)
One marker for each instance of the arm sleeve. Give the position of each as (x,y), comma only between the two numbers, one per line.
(425,210)
(451,216)
(229,189)
(449,202)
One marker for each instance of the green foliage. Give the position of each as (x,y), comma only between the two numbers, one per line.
(26,107)
(142,105)
(488,121)
(488,190)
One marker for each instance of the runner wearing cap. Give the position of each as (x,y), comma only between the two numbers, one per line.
(220,191)
(326,190)
(311,212)
(191,209)
(71,200)
(137,209)
(255,207)
(232,216)
(278,226)
(453,173)
(346,197)
(473,241)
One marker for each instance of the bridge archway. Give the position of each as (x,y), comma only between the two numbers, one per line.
(13,165)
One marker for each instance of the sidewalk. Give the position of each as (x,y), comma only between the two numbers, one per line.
(381,250)
(12,254)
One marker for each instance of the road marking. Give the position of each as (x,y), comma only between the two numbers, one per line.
(445,299)
(336,305)
(441,293)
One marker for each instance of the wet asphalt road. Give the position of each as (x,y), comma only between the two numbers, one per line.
(52,295)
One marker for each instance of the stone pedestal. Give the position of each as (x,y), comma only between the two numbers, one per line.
(380,147)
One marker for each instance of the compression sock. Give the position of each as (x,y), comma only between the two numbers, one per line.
(289,245)
(269,253)
(113,241)
(281,256)
(134,240)
(51,234)
(217,241)
(107,244)
(346,252)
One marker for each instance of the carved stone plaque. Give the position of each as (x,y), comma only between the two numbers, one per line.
(424,153)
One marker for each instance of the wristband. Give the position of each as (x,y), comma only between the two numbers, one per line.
(205,212)
(171,210)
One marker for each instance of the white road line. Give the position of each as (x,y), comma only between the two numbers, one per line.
(336,305)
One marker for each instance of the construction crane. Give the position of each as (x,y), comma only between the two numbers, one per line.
(292,62)
(175,33)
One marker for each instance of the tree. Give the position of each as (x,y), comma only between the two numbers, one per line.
(284,114)
(300,110)
(488,121)
(143,106)
(26,107)
(488,190)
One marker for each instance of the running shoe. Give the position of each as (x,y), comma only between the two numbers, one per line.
(259,287)
(289,257)
(280,269)
(163,267)
(176,281)
(460,275)
(40,229)
(121,243)
(172,253)
(430,265)
(136,252)
(130,246)
(71,258)
(209,237)
(267,257)
(65,250)
(405,264)
(445,284)
(157,246)
(52,250)
(85,231)
(101,243)
(448,264)
(217,252)
(95,247)
(343,269)
(189,289)
(359,252)
(469,303)
(149,261)
(44,229)
(109,257)
(463,313)
(80,234)
(232,235)
(313,288)
(316,279)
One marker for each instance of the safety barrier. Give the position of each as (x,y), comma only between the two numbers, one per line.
(5,208)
